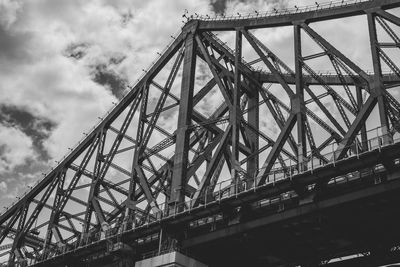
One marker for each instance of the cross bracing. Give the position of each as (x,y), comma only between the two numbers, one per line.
(164,150)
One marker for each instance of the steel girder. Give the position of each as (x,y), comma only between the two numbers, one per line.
(164,148)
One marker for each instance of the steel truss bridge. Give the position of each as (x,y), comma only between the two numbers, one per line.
(292,167)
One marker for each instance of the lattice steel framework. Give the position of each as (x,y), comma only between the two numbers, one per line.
(163,149)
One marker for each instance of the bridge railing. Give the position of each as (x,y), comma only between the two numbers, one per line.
(325,73)
(280,12)
(233,187)
(331,154)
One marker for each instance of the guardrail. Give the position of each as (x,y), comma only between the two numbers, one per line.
(329,72)
(276,12)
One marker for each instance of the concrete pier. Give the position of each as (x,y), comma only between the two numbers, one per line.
(171,259)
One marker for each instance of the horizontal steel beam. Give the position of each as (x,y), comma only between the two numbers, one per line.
(330,79)
(287,19)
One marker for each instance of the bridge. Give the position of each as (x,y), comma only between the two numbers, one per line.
(293,167)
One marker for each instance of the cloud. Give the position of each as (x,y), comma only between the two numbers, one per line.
(16,148)
(8,12)
(13,47)
(36,128)
(3,187)
(110,79)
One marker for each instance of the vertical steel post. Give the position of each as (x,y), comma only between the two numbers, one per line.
(96,173)
(378,139)
(160,236)
(363,130)
(219,192)
(235,113)
(205,199)
(298,101)
(357,148)
(378,86)
(253,137)
(184,120)
(333,154)
(312,162)
(129,210)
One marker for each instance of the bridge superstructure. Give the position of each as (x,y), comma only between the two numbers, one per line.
(294,167)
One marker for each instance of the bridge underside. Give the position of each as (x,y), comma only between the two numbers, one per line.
(366,228)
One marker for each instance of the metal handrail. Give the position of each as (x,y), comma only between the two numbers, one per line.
(276,12)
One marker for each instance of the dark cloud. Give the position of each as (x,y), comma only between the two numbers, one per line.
(218,6)
(126,17)
(116,59)
(110,79)
(76,51)
(37,128)
(102,74)
(13,45)
(3,148)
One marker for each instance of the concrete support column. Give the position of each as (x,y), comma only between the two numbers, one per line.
(170,259)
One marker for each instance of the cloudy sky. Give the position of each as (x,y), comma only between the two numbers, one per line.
(63,63)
